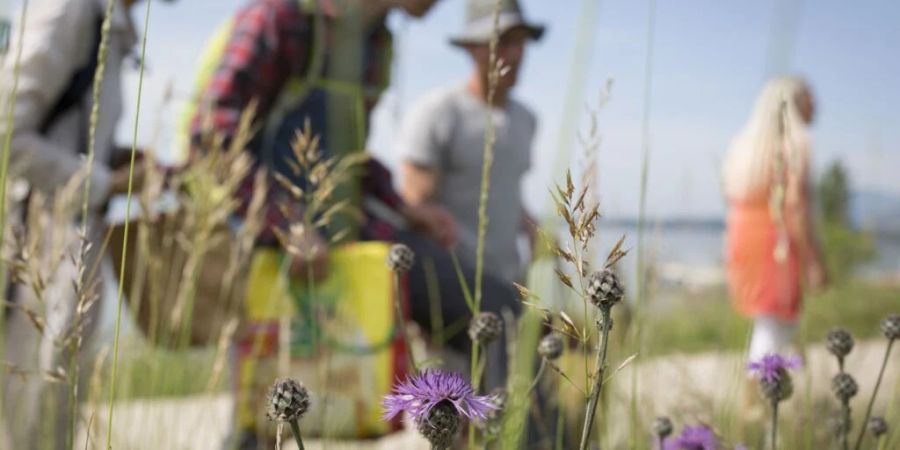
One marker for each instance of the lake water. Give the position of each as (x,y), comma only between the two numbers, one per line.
(694,254)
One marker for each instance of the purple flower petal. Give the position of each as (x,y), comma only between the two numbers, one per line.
(418,394)
(693,438)
(768,367)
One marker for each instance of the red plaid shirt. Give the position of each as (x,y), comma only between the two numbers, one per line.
(270,43)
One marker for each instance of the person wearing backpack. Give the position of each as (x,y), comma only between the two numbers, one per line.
(50,127)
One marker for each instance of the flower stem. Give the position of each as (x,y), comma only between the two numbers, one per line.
(774,429)
(295,430)
(591,409)
(402,323)
(862,428)
(845,424)
(540,373)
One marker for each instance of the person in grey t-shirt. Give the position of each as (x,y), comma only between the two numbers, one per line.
(442,143)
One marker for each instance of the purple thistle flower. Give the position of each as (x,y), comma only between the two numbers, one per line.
(767,368)
(419,394)
(693,438)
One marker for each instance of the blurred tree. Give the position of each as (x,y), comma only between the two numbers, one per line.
(844,247)
(834,194)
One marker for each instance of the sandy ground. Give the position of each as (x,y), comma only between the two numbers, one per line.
(674,385)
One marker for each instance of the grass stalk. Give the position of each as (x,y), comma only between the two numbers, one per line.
(641,291)
(98,76)
(4,182)
(862,428)
(591,409)
(487,164)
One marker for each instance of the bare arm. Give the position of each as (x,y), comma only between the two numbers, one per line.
(418,183)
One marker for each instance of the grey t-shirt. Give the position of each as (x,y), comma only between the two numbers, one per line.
(445,132)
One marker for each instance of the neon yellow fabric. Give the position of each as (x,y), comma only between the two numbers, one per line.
(350,357)
(209,61)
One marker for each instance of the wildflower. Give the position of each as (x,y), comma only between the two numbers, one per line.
(401,258)
(693,438)
(551,346)
(662,427)
(439,425)
(877,426)
(288,400)
(767,367)
(485,328)
(774,379)
(604,288)
(839,342)
(419,394)
(844,387)
(890,327)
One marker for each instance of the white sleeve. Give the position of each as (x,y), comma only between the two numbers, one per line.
(56,33)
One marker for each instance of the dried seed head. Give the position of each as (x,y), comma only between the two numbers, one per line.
(551,346)
(839,342)
(485,328)
(401,258)
(844,387)
(440,425)
(288,400)
(779,388)
(877,426)
(604,288)
(840,425)
(662,427)
(890,327)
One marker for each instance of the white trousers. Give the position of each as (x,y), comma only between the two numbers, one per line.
(770,335)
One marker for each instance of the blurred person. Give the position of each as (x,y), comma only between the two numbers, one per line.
(49,141)
(770,239)
(270,56)
(442,151)
(442,142)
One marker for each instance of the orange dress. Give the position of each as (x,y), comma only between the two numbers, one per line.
(760,283)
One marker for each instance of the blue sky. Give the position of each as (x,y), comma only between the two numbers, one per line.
(711,57)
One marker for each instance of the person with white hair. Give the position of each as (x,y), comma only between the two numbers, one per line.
(771,243)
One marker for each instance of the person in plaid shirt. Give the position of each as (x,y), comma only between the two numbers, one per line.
(325,64)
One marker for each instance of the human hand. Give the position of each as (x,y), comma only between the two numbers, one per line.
(309,257)
(817,276)
(433,220)
(121,175)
